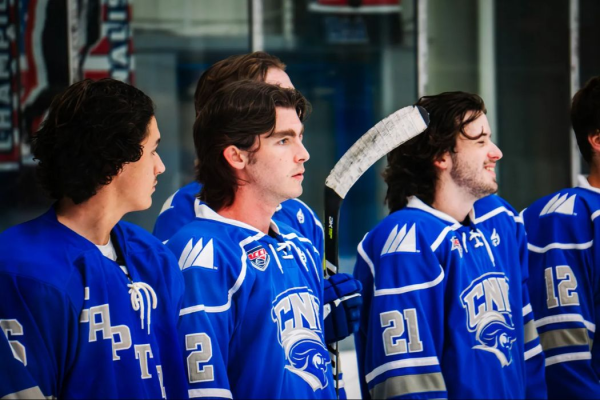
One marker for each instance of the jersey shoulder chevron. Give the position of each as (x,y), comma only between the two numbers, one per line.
(560,204)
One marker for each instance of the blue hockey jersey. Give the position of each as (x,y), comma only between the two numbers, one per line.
(182,207)
(75,323)
(263,296)
(564,285)
(444,305)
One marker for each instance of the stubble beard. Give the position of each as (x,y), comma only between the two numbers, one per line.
(470,180)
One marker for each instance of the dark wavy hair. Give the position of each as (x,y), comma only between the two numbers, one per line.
(92,129)
(410,170)
(252,66)
(585,115)
(237,115)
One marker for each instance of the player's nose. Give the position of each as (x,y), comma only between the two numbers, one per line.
(302,155)
(495,153)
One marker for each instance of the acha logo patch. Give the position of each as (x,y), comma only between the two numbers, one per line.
(259,258)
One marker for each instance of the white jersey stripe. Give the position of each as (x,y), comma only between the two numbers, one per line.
(492,214)
(365,257)
(562,246)
(412,362)
(555,319)
(441,237)
(533,352)
(568,357)
(527,309)
(411,288)
(222,393)
(192,309)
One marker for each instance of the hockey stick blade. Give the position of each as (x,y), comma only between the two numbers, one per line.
(384,137)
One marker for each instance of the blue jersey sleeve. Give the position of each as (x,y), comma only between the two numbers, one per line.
(178,210)
(400,339)
(534,356)
(209,302)
(39,324)
(563,284)
(15,379)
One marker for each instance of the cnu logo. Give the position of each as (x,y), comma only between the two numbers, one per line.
(296,312)
(489,315)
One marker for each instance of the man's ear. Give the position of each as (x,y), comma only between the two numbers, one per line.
(442,162)
(235,157)
(594,140)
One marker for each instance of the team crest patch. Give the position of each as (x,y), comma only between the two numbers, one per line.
(456,245)
(296,314)
(259,258)
(489,316)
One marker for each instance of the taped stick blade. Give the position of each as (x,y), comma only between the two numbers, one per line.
(384,137)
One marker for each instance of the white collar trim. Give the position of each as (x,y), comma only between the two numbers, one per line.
(584,183)
(206,212)
(415,202)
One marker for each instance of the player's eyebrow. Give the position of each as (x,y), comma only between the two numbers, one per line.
(287,132)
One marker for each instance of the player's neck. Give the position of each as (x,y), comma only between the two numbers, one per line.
(93,219)
(594,176)
(452,200)
(250,210)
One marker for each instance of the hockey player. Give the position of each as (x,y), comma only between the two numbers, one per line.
(564,256)
(90,304)
(444,289)
(261,281)
(181,207)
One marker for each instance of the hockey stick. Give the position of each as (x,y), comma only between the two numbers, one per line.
(384,137)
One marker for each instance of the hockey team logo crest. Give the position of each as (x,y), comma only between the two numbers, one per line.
(259,258)
(296,313)
(489,316)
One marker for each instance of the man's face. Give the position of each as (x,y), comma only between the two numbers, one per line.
(276,169)
(276,76)
(474,162)
(136,182)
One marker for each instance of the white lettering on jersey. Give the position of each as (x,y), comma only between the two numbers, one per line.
(476,235)
(120,335)
(456,245)
(13,327)
(197,255)
(161,380)
(142,351)
(495,238)
(401,241)
(489,315)
(300,216)
(99,319)
(560,205)
(296,313)
(124,342)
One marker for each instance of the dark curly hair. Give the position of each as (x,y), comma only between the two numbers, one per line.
(410,170)
(236,115)
(251,66)
(585,115)
(92,129)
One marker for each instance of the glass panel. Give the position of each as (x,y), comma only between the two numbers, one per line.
(356,65)
(175,42)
